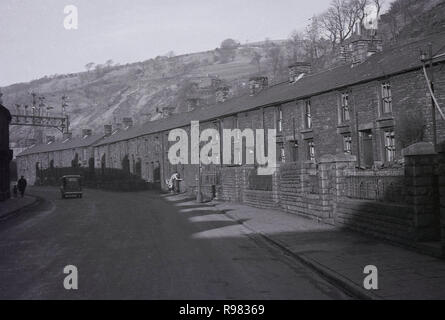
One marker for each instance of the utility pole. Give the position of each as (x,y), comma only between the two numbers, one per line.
(199,194)
(425,59)
(433,104)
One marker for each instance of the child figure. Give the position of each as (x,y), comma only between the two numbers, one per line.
(15,191)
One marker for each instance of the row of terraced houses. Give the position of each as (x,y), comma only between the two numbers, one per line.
(354,144)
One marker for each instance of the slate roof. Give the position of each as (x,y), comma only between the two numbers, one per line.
(391,61)
(73,143)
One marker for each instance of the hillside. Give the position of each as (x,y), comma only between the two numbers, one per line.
(158,87)
(144,91)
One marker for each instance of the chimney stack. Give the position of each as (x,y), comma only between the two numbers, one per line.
(50,139)
(87,133)
(216,83)
(362,46)
(222,94)
(127,122)
(108,130)
(67,135)
(193,103)
(257,84)
(30,142)
(298,70)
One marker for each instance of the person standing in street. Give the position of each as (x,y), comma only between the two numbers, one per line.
(22,183)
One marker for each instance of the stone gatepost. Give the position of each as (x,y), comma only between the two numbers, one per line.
(333,173)
(276,185)
(326,169)
(422,190)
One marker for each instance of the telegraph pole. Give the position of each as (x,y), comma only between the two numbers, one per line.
(433,104)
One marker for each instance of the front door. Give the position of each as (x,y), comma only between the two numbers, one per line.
(368,148)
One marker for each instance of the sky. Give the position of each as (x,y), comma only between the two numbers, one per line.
(35,43)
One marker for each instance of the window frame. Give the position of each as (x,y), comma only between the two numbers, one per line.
(281,153)
(386,99)
(308,123)
(280,118)
(389,143)
(345,109)
(347,141)
(311,150)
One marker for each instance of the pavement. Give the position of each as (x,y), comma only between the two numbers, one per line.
(140,246)
(341,256)
(10,207)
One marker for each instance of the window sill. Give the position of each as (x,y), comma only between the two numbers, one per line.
(344,128)
(385,117)
(307,131)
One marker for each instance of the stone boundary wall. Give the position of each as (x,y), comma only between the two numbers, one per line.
(315,191)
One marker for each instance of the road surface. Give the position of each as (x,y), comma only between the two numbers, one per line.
(140,246)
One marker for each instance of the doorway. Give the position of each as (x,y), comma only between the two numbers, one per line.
(367,146)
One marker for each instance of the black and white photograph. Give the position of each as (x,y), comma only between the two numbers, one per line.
(222,155)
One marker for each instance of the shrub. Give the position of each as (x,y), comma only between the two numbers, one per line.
(411,128)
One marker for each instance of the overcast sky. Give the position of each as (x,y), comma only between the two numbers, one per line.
(34,42)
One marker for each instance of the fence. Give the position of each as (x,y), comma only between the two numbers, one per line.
(376,188)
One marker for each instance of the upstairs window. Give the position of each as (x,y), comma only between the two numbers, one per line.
(281,153)
(386,98)
(390,146)
(280,121)
(345,115)
(308,114)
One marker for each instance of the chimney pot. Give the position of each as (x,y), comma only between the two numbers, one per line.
(222,94)
(298,69)
(193,103)
(87,132)
(67,135)
(216,83)
(50,139)
(127,122)
(257,84)
(108,130)
(363,46)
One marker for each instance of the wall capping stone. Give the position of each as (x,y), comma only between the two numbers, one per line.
(421,148)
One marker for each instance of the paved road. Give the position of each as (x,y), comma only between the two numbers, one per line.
(140,246)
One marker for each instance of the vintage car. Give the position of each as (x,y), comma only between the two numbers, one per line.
(71,186)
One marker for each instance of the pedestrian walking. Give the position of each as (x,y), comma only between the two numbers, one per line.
(15,191)
(22,183)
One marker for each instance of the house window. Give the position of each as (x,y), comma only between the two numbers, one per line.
(293,147)
(280,121)
(311,150)
(386,98)
(390,146)
(308,114)
(347,144)
(281,152)
(345,115)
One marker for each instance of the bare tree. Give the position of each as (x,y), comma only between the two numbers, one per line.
(257,60)
(276,59)
(341,18)
(295,45)
(89,66)
(109,63)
